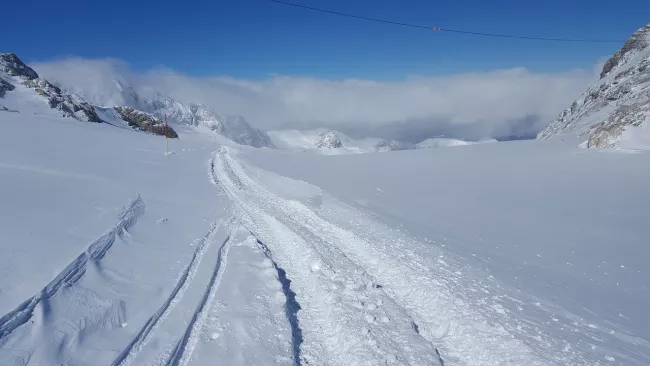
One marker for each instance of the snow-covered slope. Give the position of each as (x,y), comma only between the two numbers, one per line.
(22,90)
(441,142)
(464,257)
(330,142)
(615,110)
(498,261)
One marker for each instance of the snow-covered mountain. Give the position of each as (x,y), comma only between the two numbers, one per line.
(332,142)
(328,141)
(22,90)
(614,112)
(232,127)
(20,79)
(118,92)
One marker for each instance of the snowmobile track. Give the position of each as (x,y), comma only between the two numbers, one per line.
(373,263)
(344,317)
(74,271)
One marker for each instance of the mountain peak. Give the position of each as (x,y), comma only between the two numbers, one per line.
(13,66)
(639,41)
(329,140)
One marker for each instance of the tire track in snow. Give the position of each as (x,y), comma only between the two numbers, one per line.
(187,275)
(74,271)
(183,351)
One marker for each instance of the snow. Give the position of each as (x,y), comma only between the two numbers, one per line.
(516,253)
(636,137)
(65,185)
(554,250)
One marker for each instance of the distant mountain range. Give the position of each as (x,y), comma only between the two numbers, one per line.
(614,112)
(144,114)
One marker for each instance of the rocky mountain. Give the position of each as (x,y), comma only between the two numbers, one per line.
(329,140)
(16,72)
(234,128)
(145,122)
(20,79)
(615,111)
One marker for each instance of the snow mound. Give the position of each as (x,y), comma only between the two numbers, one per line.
(615,103)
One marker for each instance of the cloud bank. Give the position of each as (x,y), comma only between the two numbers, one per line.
(468,105)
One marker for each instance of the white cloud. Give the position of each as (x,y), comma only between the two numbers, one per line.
(483,103)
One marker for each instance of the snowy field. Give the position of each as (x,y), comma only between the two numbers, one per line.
(113,253)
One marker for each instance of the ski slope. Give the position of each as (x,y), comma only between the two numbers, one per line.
(115,253)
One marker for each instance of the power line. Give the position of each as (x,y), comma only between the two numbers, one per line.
(486,34)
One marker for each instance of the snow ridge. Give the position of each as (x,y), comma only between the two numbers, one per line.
(75,270)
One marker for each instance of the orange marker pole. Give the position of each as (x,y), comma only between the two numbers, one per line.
(166,138)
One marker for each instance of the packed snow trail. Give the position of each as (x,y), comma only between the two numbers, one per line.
(346,317)
(353,270)
(74,271)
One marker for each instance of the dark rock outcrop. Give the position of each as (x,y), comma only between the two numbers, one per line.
(5,86)
(145,122)
(70,104)
(13,66)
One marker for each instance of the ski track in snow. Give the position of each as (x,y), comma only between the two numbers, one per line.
(187,275)
(185,347)
(336,271)
(74,271)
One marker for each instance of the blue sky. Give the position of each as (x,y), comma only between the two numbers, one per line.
(256,38)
